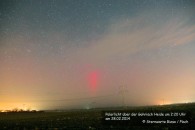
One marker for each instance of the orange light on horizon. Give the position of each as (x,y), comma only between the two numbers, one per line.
(163,102)
(17,106)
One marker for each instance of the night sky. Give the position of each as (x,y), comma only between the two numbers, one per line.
(62,54)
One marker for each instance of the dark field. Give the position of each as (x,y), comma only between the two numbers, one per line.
(85,119)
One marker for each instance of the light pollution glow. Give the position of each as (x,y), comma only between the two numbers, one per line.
(48,62)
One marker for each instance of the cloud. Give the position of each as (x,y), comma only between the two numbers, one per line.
(57,65)
(129,36)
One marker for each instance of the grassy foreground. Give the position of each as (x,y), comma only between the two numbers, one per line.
(84,119)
